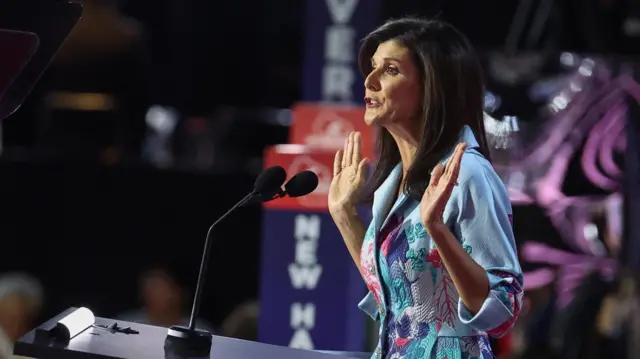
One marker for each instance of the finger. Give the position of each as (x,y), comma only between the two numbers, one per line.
(348,155)
(337,163)
(454,162)
(458,162)
(437,172)
(451,160)
(344,152)
(362,167)
(356,157)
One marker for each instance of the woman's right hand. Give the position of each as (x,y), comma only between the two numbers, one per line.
(348,175)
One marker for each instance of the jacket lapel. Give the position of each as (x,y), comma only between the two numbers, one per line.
(383,198)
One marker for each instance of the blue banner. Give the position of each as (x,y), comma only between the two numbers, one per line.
(310,286)
(334,29)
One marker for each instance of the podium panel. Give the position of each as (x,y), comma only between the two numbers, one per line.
(310,286)
(99,342)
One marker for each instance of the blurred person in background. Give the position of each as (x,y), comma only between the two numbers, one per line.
(21,298)
(164,301)
(242,323)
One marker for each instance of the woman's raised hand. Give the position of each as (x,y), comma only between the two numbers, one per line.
(437,194)
(348,175)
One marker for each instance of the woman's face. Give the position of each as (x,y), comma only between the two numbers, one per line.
(393,90)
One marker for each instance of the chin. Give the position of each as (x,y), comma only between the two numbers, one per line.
(371,119)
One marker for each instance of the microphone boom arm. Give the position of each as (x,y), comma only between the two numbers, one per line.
(188,341)
(205,261)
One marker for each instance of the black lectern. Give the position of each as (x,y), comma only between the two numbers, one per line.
(143,342)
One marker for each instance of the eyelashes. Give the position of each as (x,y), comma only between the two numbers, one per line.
(390,70)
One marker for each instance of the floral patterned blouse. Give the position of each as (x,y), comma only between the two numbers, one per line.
(410,290)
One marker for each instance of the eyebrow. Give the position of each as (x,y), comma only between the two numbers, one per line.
(386,59)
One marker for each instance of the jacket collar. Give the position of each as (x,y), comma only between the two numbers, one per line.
(385,194)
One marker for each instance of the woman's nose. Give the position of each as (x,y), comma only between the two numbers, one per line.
(371,82)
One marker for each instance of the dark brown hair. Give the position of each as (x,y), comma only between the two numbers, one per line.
(452,96)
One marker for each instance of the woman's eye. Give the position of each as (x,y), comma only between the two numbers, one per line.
(392,70)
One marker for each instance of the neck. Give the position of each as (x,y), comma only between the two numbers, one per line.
(407,154)
(407,146)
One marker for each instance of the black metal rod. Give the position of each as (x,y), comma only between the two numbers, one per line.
(205,262)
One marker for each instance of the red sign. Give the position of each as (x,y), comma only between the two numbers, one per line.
(327,126)
(297,158)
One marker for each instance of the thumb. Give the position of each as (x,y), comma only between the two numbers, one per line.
(362,167)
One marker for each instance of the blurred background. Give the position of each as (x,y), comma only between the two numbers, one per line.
(155,117)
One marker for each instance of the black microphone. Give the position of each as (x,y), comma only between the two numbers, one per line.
(269,182)
(188,341)
(268,186)
(301,184)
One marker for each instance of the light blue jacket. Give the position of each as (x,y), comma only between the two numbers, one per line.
(410,291)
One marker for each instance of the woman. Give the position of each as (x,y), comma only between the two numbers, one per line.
(439,256)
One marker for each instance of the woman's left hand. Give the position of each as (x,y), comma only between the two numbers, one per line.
(438,192)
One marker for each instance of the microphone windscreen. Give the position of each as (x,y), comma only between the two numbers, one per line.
(270,181)
(301,184)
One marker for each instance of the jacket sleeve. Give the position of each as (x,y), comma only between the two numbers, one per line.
(484,228)
(369,304)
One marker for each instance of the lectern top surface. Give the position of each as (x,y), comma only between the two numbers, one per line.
(101,343)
